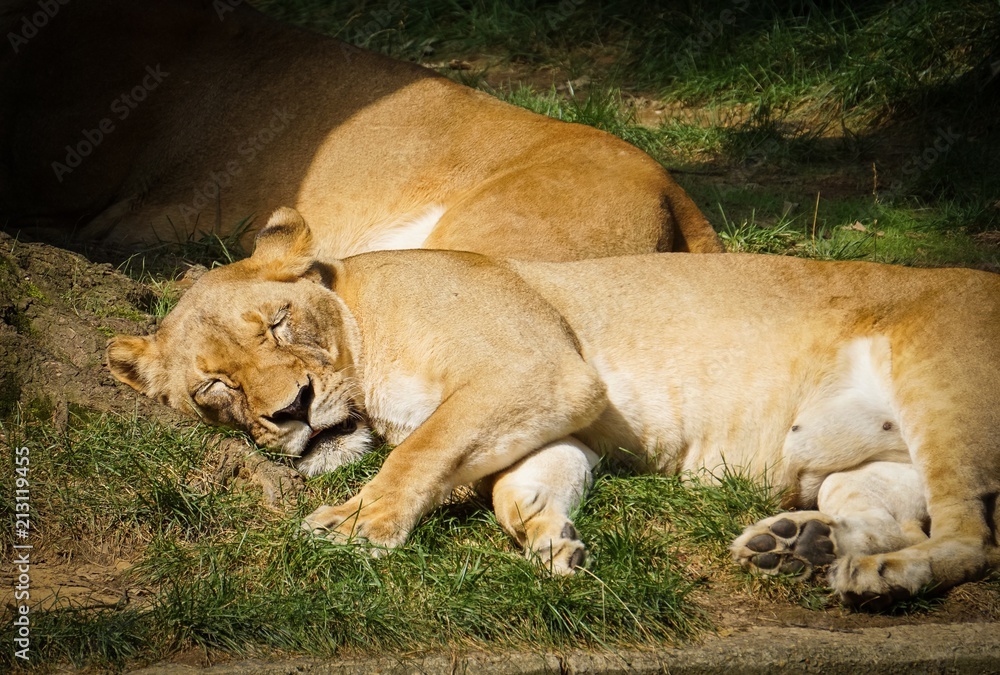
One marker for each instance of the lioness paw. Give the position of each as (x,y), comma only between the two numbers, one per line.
(355,522)
(789,543)
(560,555)
(874,582)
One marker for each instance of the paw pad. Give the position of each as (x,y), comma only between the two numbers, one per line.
(815,542)
(761,543)
(766,561)
(786,545)
(785,528)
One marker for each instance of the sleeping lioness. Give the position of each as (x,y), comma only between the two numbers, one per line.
(138,123)
(868,393)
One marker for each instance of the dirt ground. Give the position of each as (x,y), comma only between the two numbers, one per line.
(968,649)
(57,311)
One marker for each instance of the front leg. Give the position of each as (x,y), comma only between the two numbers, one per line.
(477,431)
(534,498)
(344,523)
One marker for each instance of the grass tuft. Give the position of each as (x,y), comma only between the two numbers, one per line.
(218,571)
(749,237)
(603,109)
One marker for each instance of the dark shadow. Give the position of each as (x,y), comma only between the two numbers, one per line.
(117,116)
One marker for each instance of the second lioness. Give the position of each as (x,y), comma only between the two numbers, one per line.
(866,391)
(236,113)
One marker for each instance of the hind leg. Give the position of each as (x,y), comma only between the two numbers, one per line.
(876,508)
(962,546)
(946,365)
(535,497)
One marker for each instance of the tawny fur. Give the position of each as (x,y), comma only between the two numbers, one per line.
(866,392)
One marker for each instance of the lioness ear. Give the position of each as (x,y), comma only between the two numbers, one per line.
(324,273)
(285,240)
(131,360)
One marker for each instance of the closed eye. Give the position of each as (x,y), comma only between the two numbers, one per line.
(216,401)
(279,327)
(212,388)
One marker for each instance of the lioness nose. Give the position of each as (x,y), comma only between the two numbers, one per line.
(297,410)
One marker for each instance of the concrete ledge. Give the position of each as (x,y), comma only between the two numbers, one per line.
(972,648)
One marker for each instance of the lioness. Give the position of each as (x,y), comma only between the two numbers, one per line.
(868,393)
(145,122)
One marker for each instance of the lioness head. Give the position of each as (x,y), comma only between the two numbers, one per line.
(262,345)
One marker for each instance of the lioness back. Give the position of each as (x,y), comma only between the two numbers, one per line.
(720,346)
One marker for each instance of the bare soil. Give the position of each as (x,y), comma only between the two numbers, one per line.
(57,311)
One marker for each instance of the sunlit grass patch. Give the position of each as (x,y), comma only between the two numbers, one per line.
(218,570)
(899,232)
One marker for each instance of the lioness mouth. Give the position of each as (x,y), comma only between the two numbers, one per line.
(322,437)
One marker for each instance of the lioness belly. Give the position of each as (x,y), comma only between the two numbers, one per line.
(640,426)
(847,418)
(825,411)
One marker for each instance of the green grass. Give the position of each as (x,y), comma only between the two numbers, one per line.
(852,229)
(840,56)
(861,57)
(209,249)
(160,266)
(167,295)
(220,571)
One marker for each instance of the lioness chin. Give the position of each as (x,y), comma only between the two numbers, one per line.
(867,393)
